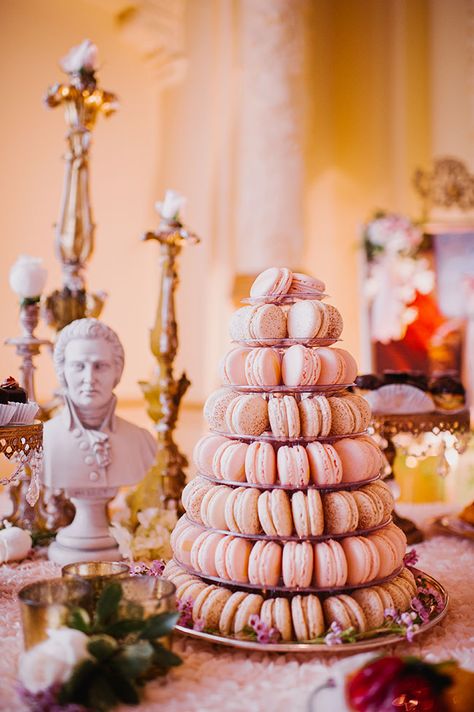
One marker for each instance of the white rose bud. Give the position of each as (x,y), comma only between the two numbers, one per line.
(15,543)
(53,660)
(28,277)
(169,208)
(84,56)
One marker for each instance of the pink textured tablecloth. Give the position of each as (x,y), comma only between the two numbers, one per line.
(217,678)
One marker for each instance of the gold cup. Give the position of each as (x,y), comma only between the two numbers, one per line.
(97,573)
(154,594)
(46,604)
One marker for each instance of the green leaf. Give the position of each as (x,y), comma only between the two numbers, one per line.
(108,603)
(79,619)
(75,689)
(165,658)
(122,686)
(102,647)
(101,696)
(159,626)
(134,660)
(120,629)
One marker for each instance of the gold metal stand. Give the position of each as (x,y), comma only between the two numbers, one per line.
(163,484)
(388,426)
(83,102)
(25,444)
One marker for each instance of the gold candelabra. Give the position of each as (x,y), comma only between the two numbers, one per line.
(83,102)
(163,484)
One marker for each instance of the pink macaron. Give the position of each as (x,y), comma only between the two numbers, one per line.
(359,460)
(300,366)
(333,368)
(274,281)
(204,451)
(263,367)
(265,563)
(324,463)
(229,461)
(330,565)
(237,559)
(232,366)
(363,560)
(315,416)
(284,416)
(297,564)
(350,365)
(293,465)
(306,284)
(260,463)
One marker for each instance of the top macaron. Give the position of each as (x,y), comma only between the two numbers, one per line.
(280,281)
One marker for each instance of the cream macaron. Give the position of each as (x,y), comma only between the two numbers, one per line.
(215,408)
(307,511)
(307,319)
(204,451)
(263,367)
(274,511)
(340,512)
(276,613)
(232,366)
(247,415)
(315,416)
(228,462)
(330,564)
(284,416)
(300,366)
(297,564)
(307,616)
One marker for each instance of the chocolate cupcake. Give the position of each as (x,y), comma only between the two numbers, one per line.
(12,392)
(448,393)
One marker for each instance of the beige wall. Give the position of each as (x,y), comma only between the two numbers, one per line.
(381,80)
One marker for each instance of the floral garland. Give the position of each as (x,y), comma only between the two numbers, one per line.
(397,271)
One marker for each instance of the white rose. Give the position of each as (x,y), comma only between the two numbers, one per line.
(28,276)
(15,543)
(84,56)
(169,208)
(53,660)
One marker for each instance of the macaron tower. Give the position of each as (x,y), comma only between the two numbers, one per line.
(287,517)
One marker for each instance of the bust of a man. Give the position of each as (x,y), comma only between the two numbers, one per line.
(86,445)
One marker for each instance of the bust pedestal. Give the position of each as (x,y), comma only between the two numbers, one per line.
(87,538)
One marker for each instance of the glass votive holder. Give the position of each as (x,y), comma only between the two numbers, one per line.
(47,604)
(97,573)
(151,593)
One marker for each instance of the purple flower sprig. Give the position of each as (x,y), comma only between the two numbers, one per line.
(407,621)
(47,700)
(141,568)
(264,634)
(411,558)
(185,607)
(334,635)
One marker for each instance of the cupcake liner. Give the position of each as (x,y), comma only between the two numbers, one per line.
(24,413)
(6,413)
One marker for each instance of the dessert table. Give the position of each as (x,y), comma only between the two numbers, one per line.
(215,677)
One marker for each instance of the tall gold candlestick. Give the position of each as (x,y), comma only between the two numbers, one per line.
(83,101)
(163,484)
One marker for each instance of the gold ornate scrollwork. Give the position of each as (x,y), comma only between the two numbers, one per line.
(448,185)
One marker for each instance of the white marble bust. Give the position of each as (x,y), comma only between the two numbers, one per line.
(88,450)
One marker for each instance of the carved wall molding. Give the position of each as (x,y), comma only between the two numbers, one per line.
(446,191)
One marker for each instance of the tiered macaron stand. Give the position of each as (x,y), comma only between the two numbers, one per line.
(298,391)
